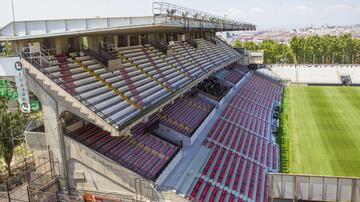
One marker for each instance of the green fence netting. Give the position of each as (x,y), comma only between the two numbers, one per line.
(11,94)
(3,92)
(35,105)
(3,83)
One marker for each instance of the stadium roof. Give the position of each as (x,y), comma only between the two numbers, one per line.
(167,17)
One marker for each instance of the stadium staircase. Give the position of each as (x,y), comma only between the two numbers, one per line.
(115,99)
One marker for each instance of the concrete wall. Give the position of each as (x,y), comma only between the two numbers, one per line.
(308,73)
(53,132)
(169,168)
(202,126)
(174,136)
(91,171)
(312,188)
(61,45)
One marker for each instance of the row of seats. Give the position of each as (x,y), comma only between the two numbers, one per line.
(79,82)
(143,153)
(234,73)
(232,178)
(147,76)
(186,114)
(242,150)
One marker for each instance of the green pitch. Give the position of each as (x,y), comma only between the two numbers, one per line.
(324,130)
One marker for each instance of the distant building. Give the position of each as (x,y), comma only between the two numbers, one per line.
(256,57)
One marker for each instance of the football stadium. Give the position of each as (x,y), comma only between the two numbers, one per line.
(161,108)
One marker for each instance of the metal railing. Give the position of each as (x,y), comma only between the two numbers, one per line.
(171,10)
(18,167)
(160,46)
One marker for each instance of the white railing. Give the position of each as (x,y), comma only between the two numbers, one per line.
(43,55)
(171,10)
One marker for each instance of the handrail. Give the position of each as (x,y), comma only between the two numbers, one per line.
(109,85)
(161,46)
(103,56)
(42,54)
(212,40)
(192,42)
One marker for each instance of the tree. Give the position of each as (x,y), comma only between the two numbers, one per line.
(316,49)
(249,45)
(237,44)
(3,102)
(12,125)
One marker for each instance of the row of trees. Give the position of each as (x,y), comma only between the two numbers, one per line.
(314,49)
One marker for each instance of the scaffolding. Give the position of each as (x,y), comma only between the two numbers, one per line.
(31,176)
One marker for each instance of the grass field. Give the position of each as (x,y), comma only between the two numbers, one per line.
(324,130)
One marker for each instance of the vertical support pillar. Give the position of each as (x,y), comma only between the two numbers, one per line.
(54,133)
(116,41)
(61,45)
(128,40)
(93,42)
(138,36)
(152,37)
(80,43)
(76,43)
(8,190)
(178,35)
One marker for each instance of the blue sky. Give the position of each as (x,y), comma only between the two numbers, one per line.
(264,13)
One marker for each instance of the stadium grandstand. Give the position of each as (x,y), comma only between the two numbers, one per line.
(158,108)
